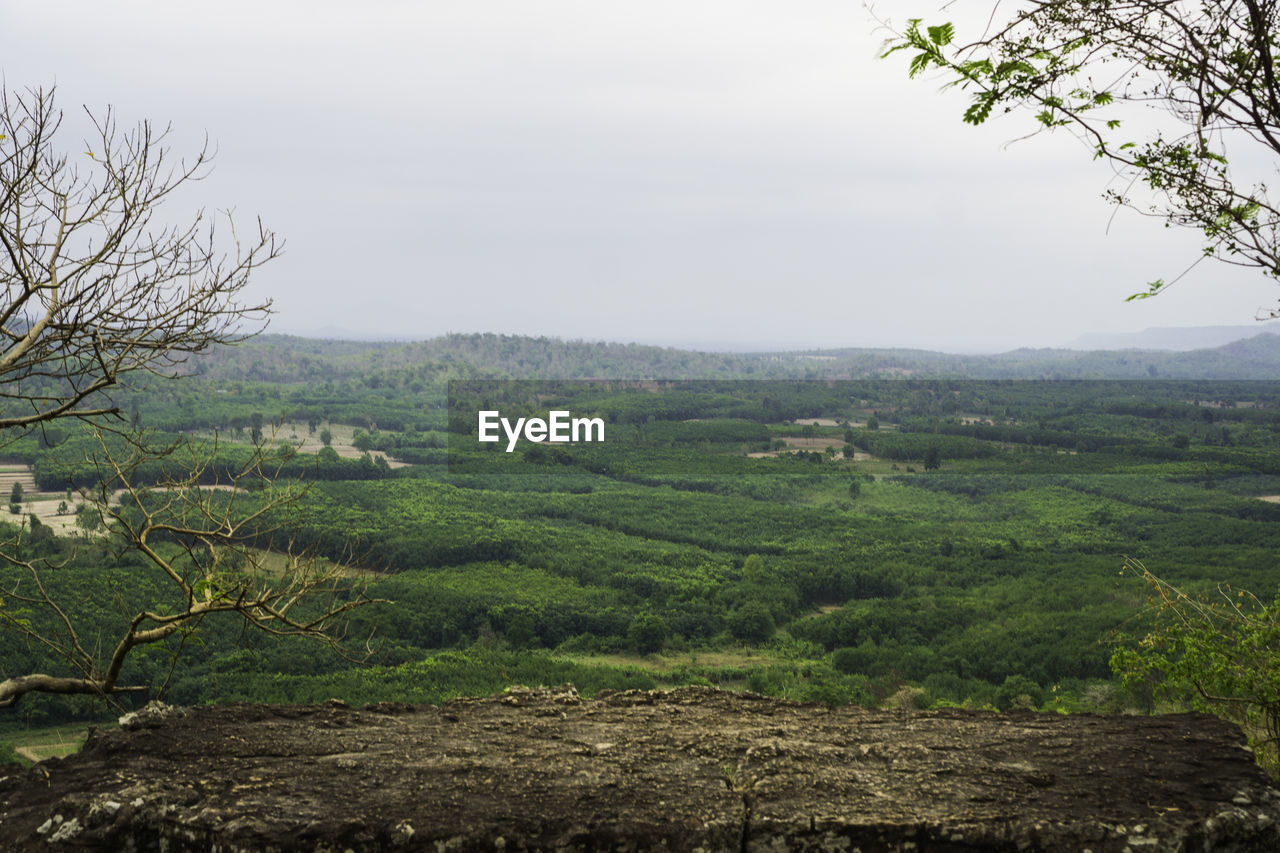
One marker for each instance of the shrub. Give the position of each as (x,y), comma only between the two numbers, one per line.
(647,633)
(752,622)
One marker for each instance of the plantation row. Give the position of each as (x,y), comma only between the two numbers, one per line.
(989,578)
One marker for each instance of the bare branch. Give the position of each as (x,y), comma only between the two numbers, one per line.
(93,285)
(208,543)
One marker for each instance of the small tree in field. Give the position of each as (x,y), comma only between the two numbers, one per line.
(96,288)
(647,633)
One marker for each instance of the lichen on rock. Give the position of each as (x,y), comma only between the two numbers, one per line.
(679,770)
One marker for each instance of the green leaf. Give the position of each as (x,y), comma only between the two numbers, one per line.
(942,35)
(1153,287)
(980,109)
(1005,69)
(919,63)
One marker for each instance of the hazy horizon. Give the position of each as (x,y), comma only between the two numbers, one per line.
(743,172)
(1157,338)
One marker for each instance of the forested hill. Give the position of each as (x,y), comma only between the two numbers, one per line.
(280,358)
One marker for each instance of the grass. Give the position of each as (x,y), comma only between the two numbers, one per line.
(37,744)
(718,659)
(275,564)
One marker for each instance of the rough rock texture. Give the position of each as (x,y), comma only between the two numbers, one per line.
(677,770)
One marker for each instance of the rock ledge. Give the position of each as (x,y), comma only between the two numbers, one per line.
(687,769)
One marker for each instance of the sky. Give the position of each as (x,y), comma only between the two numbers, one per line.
(722,174)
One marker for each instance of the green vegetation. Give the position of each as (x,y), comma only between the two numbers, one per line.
(41,742)
(1214,648)
(965,552)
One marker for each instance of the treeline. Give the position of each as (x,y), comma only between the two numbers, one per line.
(290,360)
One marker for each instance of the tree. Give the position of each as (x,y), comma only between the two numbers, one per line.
(15,494)
(932,458)
(753,570)
(522,632)
(647,633)
(38,530)
(222,551)
(1093,66)
(1219,651)
(1018,691)
(89,518)
(97,288)
(751,622)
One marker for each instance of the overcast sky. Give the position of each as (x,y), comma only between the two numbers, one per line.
(718,173)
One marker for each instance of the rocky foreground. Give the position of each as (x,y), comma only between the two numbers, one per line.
(686,769)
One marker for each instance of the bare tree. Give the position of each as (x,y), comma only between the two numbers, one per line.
(97,286)
(93,285)
(209,544)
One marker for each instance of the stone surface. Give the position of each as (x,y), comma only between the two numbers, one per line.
(684,769)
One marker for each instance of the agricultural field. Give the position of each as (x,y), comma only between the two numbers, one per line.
(37,744)
(892,542)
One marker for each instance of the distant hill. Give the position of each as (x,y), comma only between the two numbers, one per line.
(285,359)
(1181,339)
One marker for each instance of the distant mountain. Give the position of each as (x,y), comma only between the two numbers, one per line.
(281,358)
(1181,339)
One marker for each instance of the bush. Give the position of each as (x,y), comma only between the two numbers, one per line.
(647,633)
(521,631)
(1018,691)
(752,623)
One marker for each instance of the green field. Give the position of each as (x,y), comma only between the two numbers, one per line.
(928,542)
(37,744)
